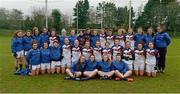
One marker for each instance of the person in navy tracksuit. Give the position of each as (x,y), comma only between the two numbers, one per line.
(93,38)
(77,69)
(17,48)
(72,37)
(56,56)
(44,37)
(27,41)
(149,37)
(45,59)
(33,58)
(162,40)
(36,36)
(91,67)
(120,68)
(105,68)
(62,37)
(139,37)
(81,39)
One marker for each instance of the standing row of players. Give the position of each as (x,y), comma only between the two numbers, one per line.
(56,54)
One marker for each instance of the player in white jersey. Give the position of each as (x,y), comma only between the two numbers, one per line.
(97,51)
(110,39)
(102,38)
(139,61)
(76,52)
(121,37)
(107,50)
(130,38)
(116,49)
(87,50)
(128,55)
(66,53)
(53,37)
(151,60)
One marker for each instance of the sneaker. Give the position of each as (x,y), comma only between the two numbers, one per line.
(77,79)
(117,79)
(84,78)
(130,79)
(67,78)
(102,78)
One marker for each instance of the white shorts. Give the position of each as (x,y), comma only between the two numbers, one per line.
(139,66)
(66,62)
(45,66)
(34,67)
(20,54)
(150,68)
(55,64)
(129,63)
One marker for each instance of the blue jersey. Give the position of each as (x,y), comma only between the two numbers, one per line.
(33,57)
(139,38)
(104,66)
(148,38)
(27,42)
(61,40)
(72,39)
(45,55)
(162,40)
(120,66)
(93,40)
(44,37)
(74,67)
(90,65)
(37,39)
(17,44)
(55,53)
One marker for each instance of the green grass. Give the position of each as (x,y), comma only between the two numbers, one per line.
(167,82)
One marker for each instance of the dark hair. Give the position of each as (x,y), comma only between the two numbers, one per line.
(162,26)
(34,42)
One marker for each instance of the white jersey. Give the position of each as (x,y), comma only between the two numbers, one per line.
(110,39)
(139,56)
(66,51)
(103,40)
(130,38)
(121,40)
(86,52)
(128,53)
(116,50)
(97,53)
(76,53)
(151,56)
(52,39)
(107,51)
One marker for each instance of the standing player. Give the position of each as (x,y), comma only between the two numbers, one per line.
(97,51)
(139,37)
(36,36)
(139,60)
(81,39)
(53,37)
(72,37)
(87,50)
(66,54)
(27,42)
(62,37)
(116,49)
(18,50)
(44,36)
(33,58)
(130,38)
(93,38)
(151,60)
(110,38)
(149,37)
(76,52)
(102,38)
(128,55)
(121,37)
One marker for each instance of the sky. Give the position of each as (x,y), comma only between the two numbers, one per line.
(65,6)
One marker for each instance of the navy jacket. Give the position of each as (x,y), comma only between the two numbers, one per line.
(162,40)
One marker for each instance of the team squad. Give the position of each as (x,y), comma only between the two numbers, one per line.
(92,53)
